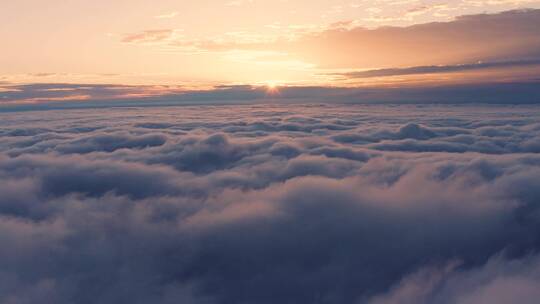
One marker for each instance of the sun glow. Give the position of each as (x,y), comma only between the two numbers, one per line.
(272,87)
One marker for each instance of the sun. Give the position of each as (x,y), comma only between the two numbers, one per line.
(272,87)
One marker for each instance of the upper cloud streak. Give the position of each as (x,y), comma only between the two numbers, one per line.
(441,68)
(148,36)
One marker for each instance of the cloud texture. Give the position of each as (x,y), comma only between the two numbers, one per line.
(271,204)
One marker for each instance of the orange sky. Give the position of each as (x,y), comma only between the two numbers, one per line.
(315,42)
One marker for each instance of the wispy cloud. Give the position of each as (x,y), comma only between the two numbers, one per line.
(239,2)
(432,69)
(53,92)
(167,15)
(149,36)
(505,36)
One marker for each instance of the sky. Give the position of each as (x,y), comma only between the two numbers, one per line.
(204,44)
(263,152)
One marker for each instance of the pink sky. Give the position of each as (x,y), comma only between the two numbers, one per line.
(202,43)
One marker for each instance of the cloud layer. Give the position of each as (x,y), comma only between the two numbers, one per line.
(266,204)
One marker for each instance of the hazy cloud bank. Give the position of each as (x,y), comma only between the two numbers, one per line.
(73,96)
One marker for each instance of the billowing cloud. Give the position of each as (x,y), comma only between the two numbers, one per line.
(364,204)
(498,282)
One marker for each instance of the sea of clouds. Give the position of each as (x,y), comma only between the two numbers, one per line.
(366,204)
